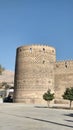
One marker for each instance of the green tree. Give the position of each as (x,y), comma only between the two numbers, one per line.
(48,96)
(68,95)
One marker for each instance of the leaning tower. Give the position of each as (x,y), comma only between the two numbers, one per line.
(34,73)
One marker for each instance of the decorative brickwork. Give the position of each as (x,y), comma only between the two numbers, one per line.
(37,70)
(63,78)
(34,73)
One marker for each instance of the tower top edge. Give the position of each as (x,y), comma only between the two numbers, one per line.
(63,61)
(35,46)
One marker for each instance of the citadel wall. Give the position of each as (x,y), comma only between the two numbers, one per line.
(37,70)
(63,78)
(34,73)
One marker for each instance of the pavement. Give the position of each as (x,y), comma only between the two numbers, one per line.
(34,117)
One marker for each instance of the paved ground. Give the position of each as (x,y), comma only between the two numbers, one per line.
(34,117)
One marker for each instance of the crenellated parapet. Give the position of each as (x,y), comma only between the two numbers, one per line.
(37,51)
(65,66)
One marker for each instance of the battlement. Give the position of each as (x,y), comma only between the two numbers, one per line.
(63,67)
(66,64)
(39,48)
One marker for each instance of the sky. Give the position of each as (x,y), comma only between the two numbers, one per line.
(27,22)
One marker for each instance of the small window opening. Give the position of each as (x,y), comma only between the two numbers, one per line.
(44,49)
(30,49)
(43,61)
(66,64)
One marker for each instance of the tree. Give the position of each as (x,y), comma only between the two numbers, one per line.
(68,95)
(48,96)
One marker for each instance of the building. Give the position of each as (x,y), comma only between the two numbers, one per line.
(6,82)
(37,70)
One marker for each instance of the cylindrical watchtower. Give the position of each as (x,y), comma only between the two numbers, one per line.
(34,73)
